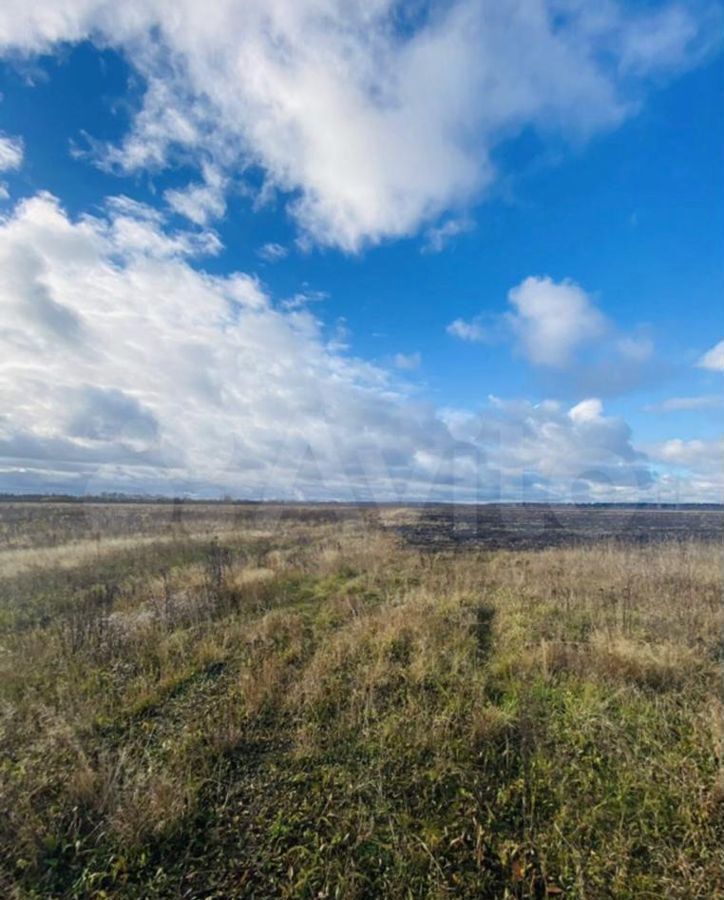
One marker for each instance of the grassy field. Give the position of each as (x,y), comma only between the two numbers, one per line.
(258,702)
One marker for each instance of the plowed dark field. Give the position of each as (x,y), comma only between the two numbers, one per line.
(537,527)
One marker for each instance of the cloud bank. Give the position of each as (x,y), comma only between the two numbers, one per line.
(125,366)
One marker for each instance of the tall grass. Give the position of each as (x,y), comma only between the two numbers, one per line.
(315,710)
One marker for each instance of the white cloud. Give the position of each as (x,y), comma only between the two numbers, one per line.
(374,121)
(305,298)
(126,368)
(272,252)
(713,359)
(686,404)
(694,453)
(586,411)
(471,331)
(664,45)
(200,203)
(407,361)
(557,326)
(545,446)
(438,237)
(11,153)
(692,468)
(553,319)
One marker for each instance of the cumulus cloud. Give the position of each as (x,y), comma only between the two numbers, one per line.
(471,331)
(713,359)
(553,319)
(541,446)
(589,410)
(709,453)
(557,327)
(373,118)
(11,153)
(126,367)
(691,468)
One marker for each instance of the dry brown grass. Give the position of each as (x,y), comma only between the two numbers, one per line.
(318,710)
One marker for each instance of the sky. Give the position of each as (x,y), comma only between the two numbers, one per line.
(363,249)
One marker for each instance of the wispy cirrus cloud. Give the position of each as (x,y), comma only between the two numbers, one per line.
(202,202)
(11,153)
(687,404)
(272,252)
(439,236)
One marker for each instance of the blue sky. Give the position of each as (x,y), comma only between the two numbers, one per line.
(328,249)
